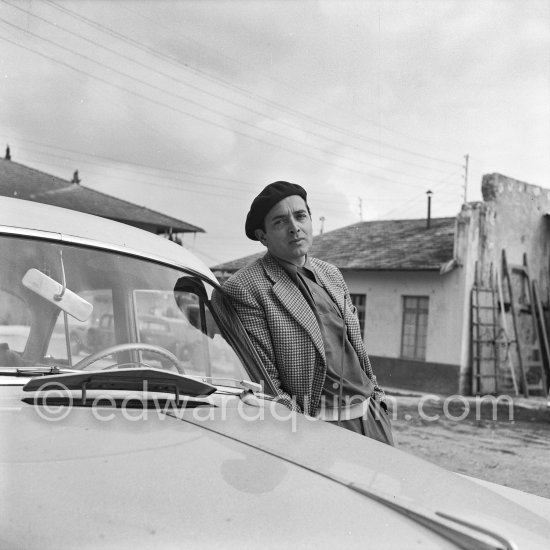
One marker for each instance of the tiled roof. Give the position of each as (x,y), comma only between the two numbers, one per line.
(17,180)
(380,245)
(235,265)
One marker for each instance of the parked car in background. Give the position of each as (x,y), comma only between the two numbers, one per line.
(164,432)
(92,337)
(151,329)
(156,330)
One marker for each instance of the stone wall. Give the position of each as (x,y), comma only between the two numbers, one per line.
(512,217)
(517,222)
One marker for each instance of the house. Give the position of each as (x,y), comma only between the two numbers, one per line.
(17,180)
(415,284)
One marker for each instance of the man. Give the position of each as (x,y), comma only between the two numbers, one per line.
(298,313)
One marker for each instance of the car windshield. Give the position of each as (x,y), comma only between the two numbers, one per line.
(62,305)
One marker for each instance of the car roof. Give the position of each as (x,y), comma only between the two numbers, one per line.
(70,225)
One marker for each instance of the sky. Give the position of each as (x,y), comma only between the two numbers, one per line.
(191,107)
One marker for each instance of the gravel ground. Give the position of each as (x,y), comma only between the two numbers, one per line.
(505,444)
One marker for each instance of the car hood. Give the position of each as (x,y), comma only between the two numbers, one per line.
(228,474)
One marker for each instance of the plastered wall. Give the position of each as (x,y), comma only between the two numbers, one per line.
(512,217)
(384,312)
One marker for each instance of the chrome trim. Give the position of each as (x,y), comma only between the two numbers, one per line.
(12,230)
(467,539)
(508,544)
(73,239)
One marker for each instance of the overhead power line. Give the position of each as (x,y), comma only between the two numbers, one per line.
(327,206)
(169,174)
(227,84)
(195,116)
(217,111)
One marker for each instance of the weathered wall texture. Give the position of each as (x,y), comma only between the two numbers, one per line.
(511,218)
(517,222)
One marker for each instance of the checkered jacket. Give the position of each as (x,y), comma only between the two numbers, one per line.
(285,331)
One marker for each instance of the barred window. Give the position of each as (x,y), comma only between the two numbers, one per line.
(360,302)
(415,327)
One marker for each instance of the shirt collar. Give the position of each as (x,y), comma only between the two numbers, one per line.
(293,269)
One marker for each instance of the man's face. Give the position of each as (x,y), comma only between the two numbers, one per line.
(288,230)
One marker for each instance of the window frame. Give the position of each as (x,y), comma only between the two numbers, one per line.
(419,335)
(359,301)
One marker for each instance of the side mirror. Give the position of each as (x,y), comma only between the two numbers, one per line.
(53,292)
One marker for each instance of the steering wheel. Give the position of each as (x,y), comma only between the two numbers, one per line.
(132,346)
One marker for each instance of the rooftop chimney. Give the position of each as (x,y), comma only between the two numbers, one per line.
(8,154)
(428,221)
(75,179)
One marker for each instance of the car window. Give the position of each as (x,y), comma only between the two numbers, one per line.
(182,322)
(109,300)
(88,336)
(15,326)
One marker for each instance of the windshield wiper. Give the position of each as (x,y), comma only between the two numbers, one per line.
(39,370)
(250,387)
(251,394)
(146,379)
(246,384)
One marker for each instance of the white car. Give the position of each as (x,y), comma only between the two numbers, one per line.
(135,446)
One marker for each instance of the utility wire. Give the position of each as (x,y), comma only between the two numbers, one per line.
(241,90)
(226,83)
(225,99)
(194,190)
(197,117)
(327,206)
(153,169)
(191,115)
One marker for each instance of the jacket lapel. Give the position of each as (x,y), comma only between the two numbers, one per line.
(293,301)
(336,291)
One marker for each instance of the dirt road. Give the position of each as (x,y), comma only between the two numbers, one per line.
(503,443)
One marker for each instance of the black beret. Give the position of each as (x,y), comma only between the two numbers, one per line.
(266,200)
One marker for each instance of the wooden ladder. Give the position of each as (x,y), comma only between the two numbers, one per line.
(484,333)
(540,322)
(529,327)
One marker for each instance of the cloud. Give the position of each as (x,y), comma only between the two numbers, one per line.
(188,120)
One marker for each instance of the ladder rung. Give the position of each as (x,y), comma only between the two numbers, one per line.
(482,341)
(488,323)
(487,290)
(489,344)
(487,341)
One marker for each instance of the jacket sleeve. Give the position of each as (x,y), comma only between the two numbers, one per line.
(253,318)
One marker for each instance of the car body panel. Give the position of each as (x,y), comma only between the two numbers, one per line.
(384,470)
(73,226)
(234,468)
(167,482)
(98,473)
(533,503)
